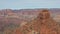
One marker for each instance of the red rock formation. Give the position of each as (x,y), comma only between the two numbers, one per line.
(43,24)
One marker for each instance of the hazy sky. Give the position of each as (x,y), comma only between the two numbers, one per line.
(23,4)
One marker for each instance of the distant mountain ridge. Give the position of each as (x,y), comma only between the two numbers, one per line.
(24,14)
(30,11)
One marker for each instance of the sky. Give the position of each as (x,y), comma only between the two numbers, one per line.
(29,4)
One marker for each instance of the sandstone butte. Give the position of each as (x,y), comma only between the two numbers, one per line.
(43,24)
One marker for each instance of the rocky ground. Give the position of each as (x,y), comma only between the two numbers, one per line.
(43,24)
(38,22)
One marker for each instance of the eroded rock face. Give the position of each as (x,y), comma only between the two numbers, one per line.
(47,24)
(44,15)
(43,24)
